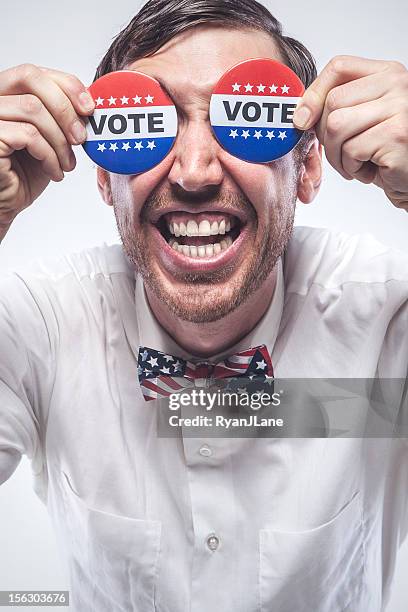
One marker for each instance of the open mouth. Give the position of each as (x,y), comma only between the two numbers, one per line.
(202,235)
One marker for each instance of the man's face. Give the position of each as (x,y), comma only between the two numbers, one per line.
(247,209)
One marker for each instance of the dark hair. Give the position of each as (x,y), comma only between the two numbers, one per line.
(158,21)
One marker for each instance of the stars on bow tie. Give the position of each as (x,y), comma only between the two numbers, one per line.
(177,366)
(261,365)
(154,363)
(161,374)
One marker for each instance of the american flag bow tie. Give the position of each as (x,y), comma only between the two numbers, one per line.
(161,374)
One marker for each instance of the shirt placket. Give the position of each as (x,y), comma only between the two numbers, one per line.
(210,477)
(214,554)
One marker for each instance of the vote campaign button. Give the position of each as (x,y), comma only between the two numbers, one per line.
(134,124)
(252,107)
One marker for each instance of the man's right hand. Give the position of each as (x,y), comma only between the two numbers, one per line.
(40,120)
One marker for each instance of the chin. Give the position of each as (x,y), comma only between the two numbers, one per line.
(200,298)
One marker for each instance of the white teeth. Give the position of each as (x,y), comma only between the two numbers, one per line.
(214,228)
(209,250)
(204,228)
(192,228)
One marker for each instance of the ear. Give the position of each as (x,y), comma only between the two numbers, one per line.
(310,175)
(104,185)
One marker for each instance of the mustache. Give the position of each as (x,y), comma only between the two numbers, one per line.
(160,201)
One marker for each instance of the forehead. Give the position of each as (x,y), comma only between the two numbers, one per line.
(198,57)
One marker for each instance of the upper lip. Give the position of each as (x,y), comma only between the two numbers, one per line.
(197,209)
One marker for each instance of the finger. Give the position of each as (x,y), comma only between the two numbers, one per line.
(366,173)
(18,136)
(386,146)
(359,153)
(358,92)
(338,71)
(344,123)
(29,109)
(31,79)
(76,91)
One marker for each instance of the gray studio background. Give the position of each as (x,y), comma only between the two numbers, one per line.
(72,36)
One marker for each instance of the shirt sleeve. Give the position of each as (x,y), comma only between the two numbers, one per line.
(24,374)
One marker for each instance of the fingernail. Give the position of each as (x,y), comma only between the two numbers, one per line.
(301,117)
(78,132)
(86,101)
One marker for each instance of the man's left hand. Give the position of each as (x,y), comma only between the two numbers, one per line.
(359,110)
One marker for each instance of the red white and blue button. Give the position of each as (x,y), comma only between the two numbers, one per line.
(252,107)
(134,124)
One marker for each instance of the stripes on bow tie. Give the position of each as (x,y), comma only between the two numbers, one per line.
(161,374)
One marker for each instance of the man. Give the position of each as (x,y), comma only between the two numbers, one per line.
(182,523)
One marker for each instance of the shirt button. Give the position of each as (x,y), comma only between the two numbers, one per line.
(205,451)
(213,542)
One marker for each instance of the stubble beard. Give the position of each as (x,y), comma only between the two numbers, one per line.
(208,298)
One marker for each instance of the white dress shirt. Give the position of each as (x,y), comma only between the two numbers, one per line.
(185,524)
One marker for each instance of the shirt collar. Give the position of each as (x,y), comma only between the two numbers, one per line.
(152,334)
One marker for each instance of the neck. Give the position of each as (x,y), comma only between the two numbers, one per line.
(207,339)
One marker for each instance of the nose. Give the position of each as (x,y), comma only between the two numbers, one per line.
(196,167)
